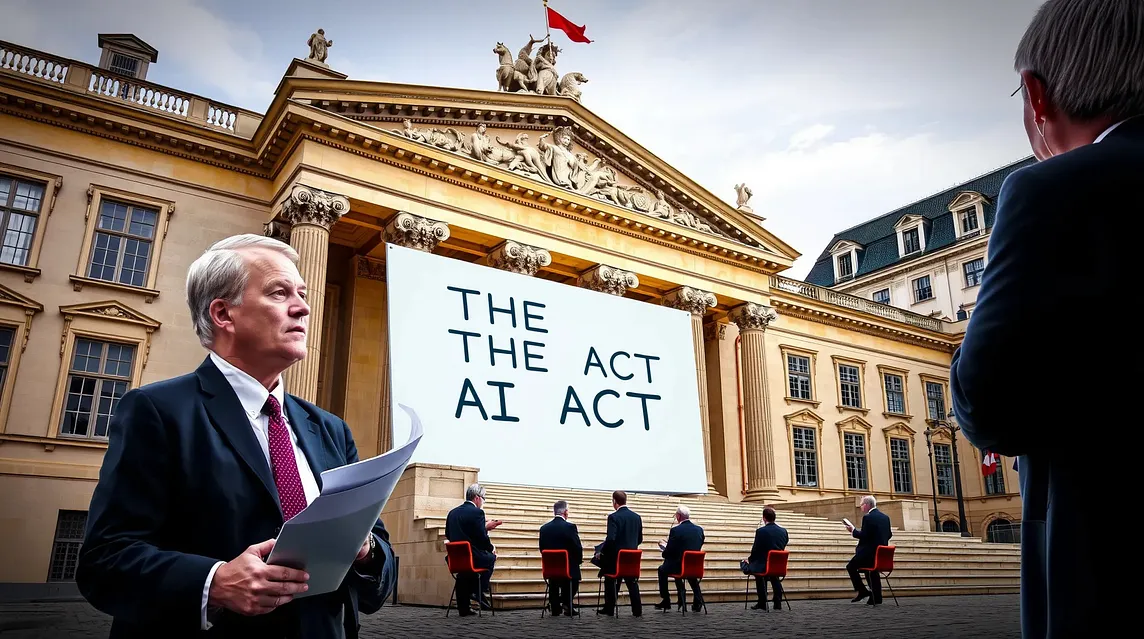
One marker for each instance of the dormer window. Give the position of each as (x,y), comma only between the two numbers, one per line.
(911,235)
(126,55)
(124,65)
(845,257)
(968,214)
(845,266)
(911,241)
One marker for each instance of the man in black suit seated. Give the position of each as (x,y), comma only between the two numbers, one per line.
(209,465)
(625,532)
(684,535)
(875,532)
(770,536)
(467,523)
(1081,68)
(561,534)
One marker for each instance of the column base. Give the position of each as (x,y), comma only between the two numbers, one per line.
(767,495)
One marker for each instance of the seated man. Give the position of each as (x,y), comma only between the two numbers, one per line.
(875,532)
(684,536)
(625,532)
(467,523)
(561,534)
(770,536)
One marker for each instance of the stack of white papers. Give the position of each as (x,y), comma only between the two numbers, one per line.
(324,539)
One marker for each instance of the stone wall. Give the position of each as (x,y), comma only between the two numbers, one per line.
(905,514)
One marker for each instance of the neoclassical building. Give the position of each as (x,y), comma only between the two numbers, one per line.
(111,185)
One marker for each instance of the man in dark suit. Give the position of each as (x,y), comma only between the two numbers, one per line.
(1082,86)
(875,532)
(770,536)
(625,532)
(561,534)
(467,523)
(208,466)
(684,535)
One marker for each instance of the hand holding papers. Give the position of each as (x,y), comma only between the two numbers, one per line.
(326,537)
(849,526)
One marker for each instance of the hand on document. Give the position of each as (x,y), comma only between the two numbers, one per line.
(489,525)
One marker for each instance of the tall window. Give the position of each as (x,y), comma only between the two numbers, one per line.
(911,241)
(65,550)
(121,249)
(895,393)
(123,64)
(805,457)
(849,380)
(845,266)
(7,336)
(935,400)
(100,374)
(855,446)
(995,483)
(968,219)
(973,271)
(943,461)
(798,374)
(882,296)
(900,465)
(922,289)
(20,203)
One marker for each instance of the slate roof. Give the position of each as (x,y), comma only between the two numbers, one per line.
(880,241)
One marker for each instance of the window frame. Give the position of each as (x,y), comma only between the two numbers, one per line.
(964,202)
(979,274)
(914,289)
(940,381)
(839,362)
(904,374)
(787,351)
(889,296)
(101,378)
(901,430)
(945,442)
(56,540)
(96,194)
(16,313)
(855,425)
(51,183)
(908,223)
(807,419)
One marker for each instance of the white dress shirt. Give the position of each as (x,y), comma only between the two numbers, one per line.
(1109,130)
(252,395)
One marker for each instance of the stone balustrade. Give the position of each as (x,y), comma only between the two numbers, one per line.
(80,77)
(803,289)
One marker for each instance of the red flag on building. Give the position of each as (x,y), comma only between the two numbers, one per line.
(557,21)
(989,463)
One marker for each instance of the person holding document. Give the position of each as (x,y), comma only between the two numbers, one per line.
(875,532)
(202,471)
(467,523)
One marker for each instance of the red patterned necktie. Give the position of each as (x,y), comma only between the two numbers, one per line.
(283,462)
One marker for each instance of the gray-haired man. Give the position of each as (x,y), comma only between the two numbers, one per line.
(467,523)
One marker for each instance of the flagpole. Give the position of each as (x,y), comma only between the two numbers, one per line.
(547,30)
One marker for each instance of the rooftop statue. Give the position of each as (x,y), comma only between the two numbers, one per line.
(319,47)
(535,74)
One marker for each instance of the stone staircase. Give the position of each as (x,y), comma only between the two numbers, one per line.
(925,563)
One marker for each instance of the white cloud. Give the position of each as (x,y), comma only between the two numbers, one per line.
(810,136)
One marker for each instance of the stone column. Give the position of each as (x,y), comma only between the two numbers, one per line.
(697,302)
(415,232)
(518,258)
(311,212)
(752,320)
(608,279)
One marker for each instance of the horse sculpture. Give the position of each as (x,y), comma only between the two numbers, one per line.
(570,85)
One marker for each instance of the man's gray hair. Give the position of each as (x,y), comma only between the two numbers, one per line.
(221,273)
(871,500)
(1090,56)
(560,507)
(474,491)
(683,511)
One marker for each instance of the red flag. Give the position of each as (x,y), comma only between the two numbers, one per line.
(557,21)
(989,463)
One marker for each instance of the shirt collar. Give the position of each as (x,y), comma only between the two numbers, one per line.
(251,394)
(1109,130)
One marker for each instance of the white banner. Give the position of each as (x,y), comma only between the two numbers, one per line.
(539,383)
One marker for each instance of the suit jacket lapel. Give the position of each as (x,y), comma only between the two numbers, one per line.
(229,417)
(309,439)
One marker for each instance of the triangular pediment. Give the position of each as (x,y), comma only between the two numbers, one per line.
(906,220)
(899,429)
(804,416)
(131,43)
(843,246)
(552,143)
(12,298)
(855,423)
(964,199)
(111,310)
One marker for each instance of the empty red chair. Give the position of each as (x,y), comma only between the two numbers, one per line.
(627,565)
(459,557)
(692,568)
(777,561)
(554,566)
(884,565)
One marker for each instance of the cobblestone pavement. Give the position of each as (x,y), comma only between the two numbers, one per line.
(918,617)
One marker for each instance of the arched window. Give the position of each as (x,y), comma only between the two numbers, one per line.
(1001,531)
(950,526)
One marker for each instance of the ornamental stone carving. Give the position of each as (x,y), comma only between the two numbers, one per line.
(715,332)
(519,258)
(278,230)
(416,232)
(689,299)
(528,74)
(307,205)
(753,316)
(608,279)
(743,197)
(369,268)
(319,47)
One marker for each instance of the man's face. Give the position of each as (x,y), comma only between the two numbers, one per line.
(479,501)
(270,324)
(865,508)
(565,139)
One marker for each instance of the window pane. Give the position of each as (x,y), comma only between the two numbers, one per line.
(845,268)
(850,385)
(973,271)
(87,355)
(77,405)
(805,457)
(911,241)
(882,296)
(28,197)
(65,551)
(995,483)
(134,271)
(895,395)
(6,337)
(5,189)
(113,216)
(799,376)
(17,238)
(935,400)
(119,357)
(922,290)
(143,222)
(104,256)
(900,460)
(855,447)
(969,219)
(943,461)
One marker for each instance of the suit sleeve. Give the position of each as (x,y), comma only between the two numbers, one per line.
(998,371)
(671,550)
(857,533)
(576,555)
(121,570)
(610,539)
(372,581)
(758,548)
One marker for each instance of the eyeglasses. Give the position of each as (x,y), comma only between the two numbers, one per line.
(1018,89)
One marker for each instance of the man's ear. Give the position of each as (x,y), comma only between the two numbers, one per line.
(1035,93)
(219,312)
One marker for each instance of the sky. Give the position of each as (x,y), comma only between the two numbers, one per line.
(832,111)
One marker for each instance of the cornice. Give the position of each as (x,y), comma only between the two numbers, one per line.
(831,317)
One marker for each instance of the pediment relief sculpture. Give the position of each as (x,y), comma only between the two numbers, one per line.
(528,74)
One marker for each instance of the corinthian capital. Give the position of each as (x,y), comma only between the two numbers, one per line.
(307,205)
(416,232)
(519,258)
(608,279)
(689,299)
(751,316)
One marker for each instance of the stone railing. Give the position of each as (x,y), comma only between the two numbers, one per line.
(821,294)
(80,77)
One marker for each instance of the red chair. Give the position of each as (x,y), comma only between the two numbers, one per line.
(554,566)
(627,565)
(459,558)
(884,563)
(777,561)
(692,568)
